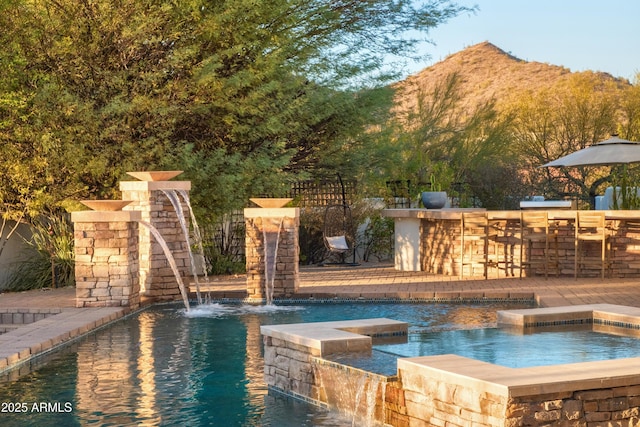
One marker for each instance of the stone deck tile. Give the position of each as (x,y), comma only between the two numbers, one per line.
(22,344)
(384,280)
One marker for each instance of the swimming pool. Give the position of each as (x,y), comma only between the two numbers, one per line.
(163,367)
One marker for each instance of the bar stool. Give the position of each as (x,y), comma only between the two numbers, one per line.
(505,237)
(474,241)
(590,227)
(536,231)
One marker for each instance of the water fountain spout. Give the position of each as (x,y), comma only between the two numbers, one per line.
(196,232)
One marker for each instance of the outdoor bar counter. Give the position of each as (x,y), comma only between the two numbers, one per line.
(429,240)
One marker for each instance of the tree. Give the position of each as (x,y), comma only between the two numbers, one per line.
(571,115)
(629,126)
(458,146)
(240,94)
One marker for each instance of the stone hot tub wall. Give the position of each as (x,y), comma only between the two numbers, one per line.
(157,279)
(286,280)
(294,365)
(454,390)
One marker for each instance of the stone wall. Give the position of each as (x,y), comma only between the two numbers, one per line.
(287,367)
(106,256)
(618,406)
(295,365)
(157,279)
(430,400)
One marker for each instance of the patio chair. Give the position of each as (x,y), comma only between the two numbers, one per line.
(338,232)
(475,234)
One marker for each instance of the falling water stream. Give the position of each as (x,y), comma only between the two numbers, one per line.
(196,231)
(177,206)
(171,259)
(271,236)
(358,394)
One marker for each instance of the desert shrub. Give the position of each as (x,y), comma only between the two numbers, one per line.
(50,259)
(223,245)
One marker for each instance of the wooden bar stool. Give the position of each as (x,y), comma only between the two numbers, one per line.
(474,241)
(536,232)
(504,234)
(590,227)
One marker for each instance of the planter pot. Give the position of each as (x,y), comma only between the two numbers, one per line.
(434,199)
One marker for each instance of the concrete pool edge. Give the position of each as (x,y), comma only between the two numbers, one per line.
(451,388)
(60,327)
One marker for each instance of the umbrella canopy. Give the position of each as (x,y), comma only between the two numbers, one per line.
(609,152)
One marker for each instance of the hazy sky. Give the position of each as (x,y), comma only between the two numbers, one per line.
(577,34)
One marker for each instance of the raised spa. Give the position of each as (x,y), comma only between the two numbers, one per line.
(449,388)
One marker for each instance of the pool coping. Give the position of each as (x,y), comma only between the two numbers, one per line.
(60,327)
(340,336)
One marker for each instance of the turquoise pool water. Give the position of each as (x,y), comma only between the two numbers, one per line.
(162,367)
(515,350)
(501,347)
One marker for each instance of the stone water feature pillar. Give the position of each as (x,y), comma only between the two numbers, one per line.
(260,222)
(106,252)
(157,280)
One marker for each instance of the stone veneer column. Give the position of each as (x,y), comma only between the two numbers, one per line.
(106,252)
(286,278)
(157,280)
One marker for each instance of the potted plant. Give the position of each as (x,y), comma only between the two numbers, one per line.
(435,198)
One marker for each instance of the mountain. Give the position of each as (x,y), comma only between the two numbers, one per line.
(486,72)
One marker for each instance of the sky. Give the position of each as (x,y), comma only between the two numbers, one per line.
(577,34)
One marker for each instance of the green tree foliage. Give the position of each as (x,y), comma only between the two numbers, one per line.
(573,114)
(630,112)
(464,149)
(240,94)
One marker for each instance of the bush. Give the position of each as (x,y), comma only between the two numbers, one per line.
(51,262)
(223,244)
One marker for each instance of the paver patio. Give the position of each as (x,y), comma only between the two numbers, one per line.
(382,280)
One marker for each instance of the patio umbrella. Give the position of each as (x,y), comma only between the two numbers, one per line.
(609,152)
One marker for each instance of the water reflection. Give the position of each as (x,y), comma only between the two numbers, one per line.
(147,402)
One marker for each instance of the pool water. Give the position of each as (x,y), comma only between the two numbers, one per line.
(515,350)
(165,367)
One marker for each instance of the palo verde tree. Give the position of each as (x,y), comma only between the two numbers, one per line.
(573,114)
(240,94)
(462,149)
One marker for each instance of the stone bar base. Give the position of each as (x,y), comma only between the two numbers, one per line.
(106,252)
(429,240)
(157,279)
(286,278)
